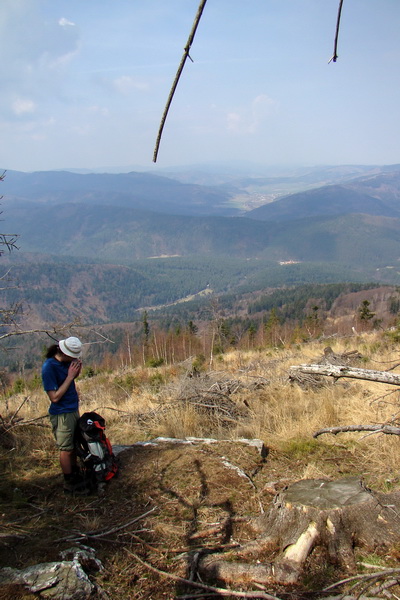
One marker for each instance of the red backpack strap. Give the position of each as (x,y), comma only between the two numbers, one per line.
(97,424)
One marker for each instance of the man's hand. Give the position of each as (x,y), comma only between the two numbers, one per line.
(74,369)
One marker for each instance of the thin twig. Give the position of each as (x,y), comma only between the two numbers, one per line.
(185,552)
(191,597)
(124,412)
(123,389)
(98,534)
(201,586)
(153,548)
(19,408)
(361,578)
(103,341)
(385,586)
(384,396)
(22,423)
(369,566)
(177,76)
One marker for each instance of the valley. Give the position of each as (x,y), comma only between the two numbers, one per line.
(102,249)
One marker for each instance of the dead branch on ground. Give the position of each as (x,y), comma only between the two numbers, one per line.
(9,422)
(338,371)
(201,586)
(214,403)
(123,412)
(380,428)
(6,427)
(98,534)
(368,581)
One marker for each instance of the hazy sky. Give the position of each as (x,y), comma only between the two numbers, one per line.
(84,83)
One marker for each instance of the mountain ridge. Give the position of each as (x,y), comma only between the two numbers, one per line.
(316,235)
(326,201)
(138,190)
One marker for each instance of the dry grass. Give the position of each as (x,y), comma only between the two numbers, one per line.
(245,395)
(142,403)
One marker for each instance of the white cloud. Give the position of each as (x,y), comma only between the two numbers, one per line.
(233,121)
(34,55)
(63,22)
(126,84)
(100,110)
(22,106)
(249,119)
(263,106)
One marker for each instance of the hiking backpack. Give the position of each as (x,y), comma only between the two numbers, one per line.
(94,448)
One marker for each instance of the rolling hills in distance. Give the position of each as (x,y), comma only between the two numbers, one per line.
(107,246)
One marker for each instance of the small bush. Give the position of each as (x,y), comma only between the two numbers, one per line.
(127,382)
(198,363)
(154,362)
(19,386)
(88,371)
(156,381)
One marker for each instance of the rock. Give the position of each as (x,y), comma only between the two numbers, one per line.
(64,579)
(85,556)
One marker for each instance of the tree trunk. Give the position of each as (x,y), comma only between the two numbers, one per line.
(335,516)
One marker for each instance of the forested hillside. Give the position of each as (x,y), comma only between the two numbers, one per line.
(134,190)
(325,201)
(59,290)
(373,194)
(120,218)
(121,235)
(104,261)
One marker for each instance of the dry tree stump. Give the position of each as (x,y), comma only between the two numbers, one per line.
(337,516)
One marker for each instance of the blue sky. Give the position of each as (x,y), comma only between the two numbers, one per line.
(84,83)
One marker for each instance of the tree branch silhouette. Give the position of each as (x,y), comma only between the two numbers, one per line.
(186,55)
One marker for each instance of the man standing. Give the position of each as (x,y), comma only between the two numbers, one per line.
(59,371)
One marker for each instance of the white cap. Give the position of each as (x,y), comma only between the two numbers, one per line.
(72,346)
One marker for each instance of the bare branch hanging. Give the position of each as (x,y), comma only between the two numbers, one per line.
(335,55)
(186,55)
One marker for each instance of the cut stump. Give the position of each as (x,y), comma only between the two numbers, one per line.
(336,516)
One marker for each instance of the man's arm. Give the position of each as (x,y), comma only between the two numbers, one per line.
(73,372)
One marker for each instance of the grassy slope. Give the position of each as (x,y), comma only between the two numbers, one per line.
(141,403)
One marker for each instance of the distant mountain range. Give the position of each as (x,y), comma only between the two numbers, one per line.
(373,195)
(120,218)
(121,235)
(351,225)
(133,190)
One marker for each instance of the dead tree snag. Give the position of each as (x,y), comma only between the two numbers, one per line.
(335,516)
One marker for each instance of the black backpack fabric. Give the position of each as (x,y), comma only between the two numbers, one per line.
(94,449)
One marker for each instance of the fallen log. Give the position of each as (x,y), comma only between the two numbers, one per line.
(338,371)
(380,428)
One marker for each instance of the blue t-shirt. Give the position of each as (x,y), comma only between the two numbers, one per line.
(54,373)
